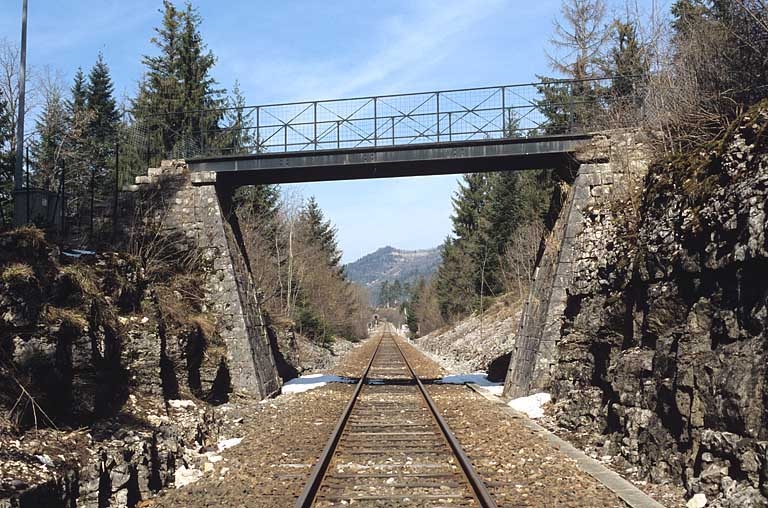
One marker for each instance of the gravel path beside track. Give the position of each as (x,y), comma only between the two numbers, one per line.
(519,467)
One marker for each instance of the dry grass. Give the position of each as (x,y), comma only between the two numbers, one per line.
(17,273)
(205,325)
(69,318)
(82,278)
(26,237)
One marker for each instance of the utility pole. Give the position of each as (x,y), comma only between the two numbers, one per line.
(18,175)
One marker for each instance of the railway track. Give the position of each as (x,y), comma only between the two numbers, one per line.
(391,447)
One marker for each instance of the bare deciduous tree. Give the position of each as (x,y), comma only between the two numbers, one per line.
(580,36)
(519,259)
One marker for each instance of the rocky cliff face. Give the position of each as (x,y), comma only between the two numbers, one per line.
(663,354)
(96,342)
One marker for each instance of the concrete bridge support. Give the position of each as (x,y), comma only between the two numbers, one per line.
(610,169)
(192,208)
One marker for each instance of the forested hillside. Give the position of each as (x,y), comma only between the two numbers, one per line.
(389,273)
(498,221)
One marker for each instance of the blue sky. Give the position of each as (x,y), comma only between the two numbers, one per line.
(294,50)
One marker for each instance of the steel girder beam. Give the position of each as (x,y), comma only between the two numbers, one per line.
(394,161)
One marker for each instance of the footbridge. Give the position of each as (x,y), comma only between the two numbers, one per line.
(201,157)
(510,127)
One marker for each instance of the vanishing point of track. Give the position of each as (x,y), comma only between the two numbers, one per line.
(391,447)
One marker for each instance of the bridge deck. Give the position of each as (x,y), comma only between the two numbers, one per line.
(394,161)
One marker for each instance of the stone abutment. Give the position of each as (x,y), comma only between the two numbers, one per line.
(191,209)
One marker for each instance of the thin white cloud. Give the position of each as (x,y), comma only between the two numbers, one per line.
(408,45)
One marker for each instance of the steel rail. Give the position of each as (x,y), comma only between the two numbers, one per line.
(478,486)
(318,472)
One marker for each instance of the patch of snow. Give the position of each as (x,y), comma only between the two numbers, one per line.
(184,476)
(697,501)
(531,405)
(179,403)
(229,443)
(478,378)
(310,382)
(45,460)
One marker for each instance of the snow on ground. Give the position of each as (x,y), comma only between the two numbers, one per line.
(478,378)
(229,443)
(531,405)
(310,382)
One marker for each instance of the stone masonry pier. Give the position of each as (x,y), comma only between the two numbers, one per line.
(190,208)
(609,167)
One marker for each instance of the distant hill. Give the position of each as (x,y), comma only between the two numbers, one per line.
(390,264)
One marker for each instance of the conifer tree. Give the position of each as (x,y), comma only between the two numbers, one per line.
(321,233)
(260,203)
(723,44)
(177,95)
(104,117)
(629,62)
(78,158)
(460,277)
(52,128)
(79,94)
(239,125)
(7,158)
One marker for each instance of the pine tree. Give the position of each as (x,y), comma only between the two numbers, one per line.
(321,233)
(260,203)
(239,125)
(468,204)
(629,64)
(455,282)
(78,158)
(104,117)
(52,128)
(685,14)
(7,158)
(722,44)
(177,98)
(461,276)
(79,91)
(414,302)
(385,294)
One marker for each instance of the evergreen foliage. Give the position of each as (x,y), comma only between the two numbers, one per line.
(488,209)
(581,36)
(394,293)
(629,63)
(239,134)
(104,117)
(52,126)
(321,233)
(7,160)
(725,44)
(177,99)
(79,94)
(261,204)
